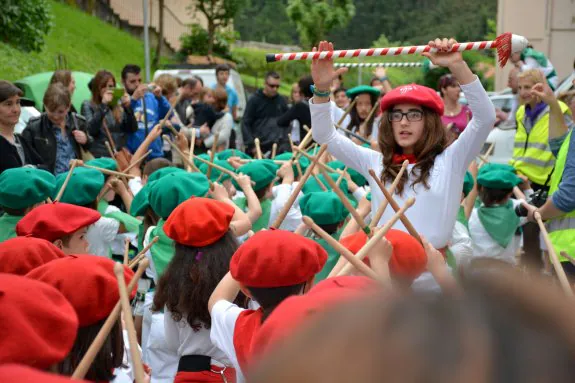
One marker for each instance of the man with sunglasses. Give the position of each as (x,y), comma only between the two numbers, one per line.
(260,118)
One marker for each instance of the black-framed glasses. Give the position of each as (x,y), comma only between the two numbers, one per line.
(411,115)
(275,86)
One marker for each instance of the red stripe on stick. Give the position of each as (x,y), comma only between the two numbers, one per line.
(370,52)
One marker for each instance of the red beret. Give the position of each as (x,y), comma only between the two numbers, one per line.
(20,255)
(409,259)
(296,311)
(87,281)
(53,221)
(38,325)
(354,242)
(15,373)
(412,94)
(276,258)
(199,222)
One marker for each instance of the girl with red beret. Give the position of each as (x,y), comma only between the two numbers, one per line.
(204,232)
(411,129)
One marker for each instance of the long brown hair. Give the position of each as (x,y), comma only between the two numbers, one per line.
(355,120)
(100,82)
(431,144)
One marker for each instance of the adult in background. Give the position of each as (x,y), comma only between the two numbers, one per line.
(223,125)
(65,78)
(222,77)
(188,92)
(340,98)
(56,135)
(455,116)
(101,115)
(509,118)
(299,111)
(260,118)
(14,150)
(156,107)
(532,155)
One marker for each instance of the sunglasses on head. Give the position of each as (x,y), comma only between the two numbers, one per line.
(275,86)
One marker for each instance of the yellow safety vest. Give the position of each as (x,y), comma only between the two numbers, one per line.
(532,156)
(561,229)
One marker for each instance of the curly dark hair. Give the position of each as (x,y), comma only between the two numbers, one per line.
(432,143)
(191,277)
(355,120)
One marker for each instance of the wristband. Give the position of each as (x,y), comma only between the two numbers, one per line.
(384,79)
(319,93)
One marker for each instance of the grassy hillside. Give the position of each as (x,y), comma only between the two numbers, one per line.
(88,44)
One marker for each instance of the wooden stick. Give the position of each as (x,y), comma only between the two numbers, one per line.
(486,155)
(309,157)
(364,124)
(188,162)
(192,148)
(167,116)
(348,255)
(98,342)
(321,185)
(305,127)
(142,254)
(138,161)
(359,137)
(126,251)
(283,212)
(65,184)
(553,256)
(108,172)
(570,258)
(218,167)
(346,112)
(347,204)
(111,151)
(49,200)
(258,148)
(338,182)
(303,143)
(246,160)
(274,150)
(361,254)
(129,323)
(519,194)
(213,155)
(406,222)
(381,209)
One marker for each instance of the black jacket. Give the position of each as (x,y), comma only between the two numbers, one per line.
(39,135)
(260,120)
(9,157)
(300,112)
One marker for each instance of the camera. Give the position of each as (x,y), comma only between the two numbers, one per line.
(537,199)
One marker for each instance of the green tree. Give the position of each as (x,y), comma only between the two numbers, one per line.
(314,19)
(25,23)
(272,25)
(219,14)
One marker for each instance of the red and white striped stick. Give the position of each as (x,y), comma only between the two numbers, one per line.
(385,65)
(505,45)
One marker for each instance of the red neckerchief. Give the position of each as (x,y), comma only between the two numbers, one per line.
(247,325)
(399,158)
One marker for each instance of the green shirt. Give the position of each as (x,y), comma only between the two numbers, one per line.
(264,220)
(8,226)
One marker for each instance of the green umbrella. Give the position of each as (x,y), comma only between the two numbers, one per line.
(35,86)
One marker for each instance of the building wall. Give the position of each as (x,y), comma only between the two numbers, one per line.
(548,24)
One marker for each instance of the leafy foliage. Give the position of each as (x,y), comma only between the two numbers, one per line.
(314,19)
(25,23)
(197,43)
(267,21)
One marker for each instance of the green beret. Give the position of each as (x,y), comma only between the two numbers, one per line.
(23,187)
(494,166)
(83,188)
(270,164)
(203,156)
(303,162)
(312,186)
(104,163)
(353,92)
(325,208)
(356,177)
(164,172)
(498,179)
(215,172)
(260,172)
(225,154)
(468,183)
(174,189)
(141,201)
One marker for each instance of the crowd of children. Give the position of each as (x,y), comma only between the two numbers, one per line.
(315,265)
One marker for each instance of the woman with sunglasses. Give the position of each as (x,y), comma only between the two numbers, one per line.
(455,115)
(411,129)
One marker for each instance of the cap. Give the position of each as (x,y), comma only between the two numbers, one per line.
(104,163)
(16,373)
(468,183)
(141,201)
(356,177)
(24,187)
(216,173)
(312,185)
(226,154)
(276,258)
(164,172)
(325,208)
(174,189)
(53,221)
(199,222)
(38,325)
(22,254)
(498,179)
(412,94)
(495,166)
(260,172)
(409,259)
(355,91)
(303,162)
(87,281)
(83,188)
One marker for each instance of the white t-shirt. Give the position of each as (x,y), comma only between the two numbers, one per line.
(435,209)
(224,316)
(281,194)
(100,236)
(135,185)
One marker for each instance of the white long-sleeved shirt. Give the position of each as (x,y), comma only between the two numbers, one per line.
(435,209)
